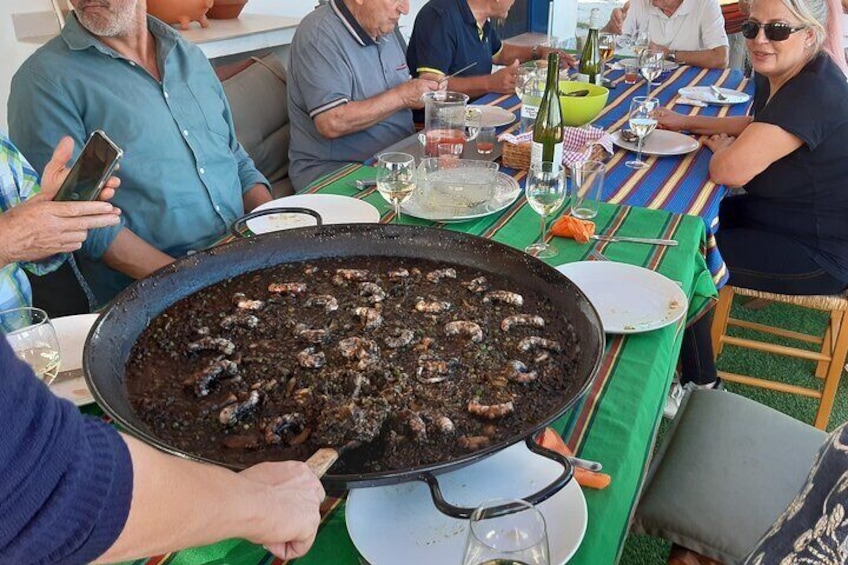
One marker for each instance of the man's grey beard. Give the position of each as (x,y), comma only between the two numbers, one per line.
(119,22)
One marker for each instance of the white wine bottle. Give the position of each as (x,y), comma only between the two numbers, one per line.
(590,59)
(548,131)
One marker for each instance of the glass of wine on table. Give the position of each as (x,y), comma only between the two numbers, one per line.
(396,179)
(642,122)
(507,532)
(33,339)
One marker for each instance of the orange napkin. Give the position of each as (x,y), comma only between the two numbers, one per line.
(550,439)
(569,226)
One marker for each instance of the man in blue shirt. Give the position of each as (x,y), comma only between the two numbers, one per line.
(185,176)
(451,34)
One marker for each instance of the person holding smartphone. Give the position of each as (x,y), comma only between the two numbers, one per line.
(36,234)
(185,176)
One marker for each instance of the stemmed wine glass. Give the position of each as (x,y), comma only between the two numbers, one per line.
(642,122)
(651,65)
(639,42)
(545,192)
(606,47)
(33,339)
(507,532)
(396,179)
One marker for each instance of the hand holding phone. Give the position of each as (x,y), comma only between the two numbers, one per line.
(92,169)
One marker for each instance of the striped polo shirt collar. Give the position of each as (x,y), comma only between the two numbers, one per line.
(341,10)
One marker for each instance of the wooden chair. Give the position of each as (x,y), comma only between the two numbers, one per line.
(830,358)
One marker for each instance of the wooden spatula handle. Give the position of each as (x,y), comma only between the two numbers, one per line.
(322,460)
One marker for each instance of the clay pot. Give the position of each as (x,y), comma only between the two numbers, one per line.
(181,12)
(226,9)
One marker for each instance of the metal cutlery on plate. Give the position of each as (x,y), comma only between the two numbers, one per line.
(718,93)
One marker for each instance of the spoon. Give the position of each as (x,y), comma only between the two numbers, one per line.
(575,93)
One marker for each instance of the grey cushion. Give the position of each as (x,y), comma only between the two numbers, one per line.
(727,471)
(257,97)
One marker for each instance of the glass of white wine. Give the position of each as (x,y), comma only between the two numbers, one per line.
(33,340)
(507,532)
(651,63)
(396,179)
(642,122)
(606,48)
(545,193)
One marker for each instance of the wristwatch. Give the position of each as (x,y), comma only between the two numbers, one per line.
(671,56)
(534,53)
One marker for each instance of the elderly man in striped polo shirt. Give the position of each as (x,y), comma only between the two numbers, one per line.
(350,93)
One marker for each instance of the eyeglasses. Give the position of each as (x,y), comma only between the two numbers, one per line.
(774,32)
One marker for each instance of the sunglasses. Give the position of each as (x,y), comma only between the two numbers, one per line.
(774,32)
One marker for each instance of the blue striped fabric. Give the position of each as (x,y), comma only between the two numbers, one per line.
(677,184)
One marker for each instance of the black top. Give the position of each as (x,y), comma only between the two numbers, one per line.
(805,194)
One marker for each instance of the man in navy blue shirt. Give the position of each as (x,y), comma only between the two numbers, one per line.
(450,34)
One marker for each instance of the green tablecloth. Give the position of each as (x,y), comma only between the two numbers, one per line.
(617,420)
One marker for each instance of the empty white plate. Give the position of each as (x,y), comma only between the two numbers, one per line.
(660,142)
(72,332)
(495,116)
(706,94)
(628,299)
(333,209)
(399,523)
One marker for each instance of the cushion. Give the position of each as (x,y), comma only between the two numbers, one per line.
(727,470)
(257,97)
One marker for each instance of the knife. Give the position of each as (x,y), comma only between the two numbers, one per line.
(718,93)
(649,240)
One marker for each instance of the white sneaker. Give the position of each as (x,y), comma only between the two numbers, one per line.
(675,397)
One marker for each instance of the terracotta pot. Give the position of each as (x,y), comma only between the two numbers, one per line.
(181,12)
(226,9)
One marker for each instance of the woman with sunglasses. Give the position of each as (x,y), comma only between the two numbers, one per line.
(788,233)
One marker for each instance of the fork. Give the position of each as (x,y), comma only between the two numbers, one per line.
(597,255)
(718,93)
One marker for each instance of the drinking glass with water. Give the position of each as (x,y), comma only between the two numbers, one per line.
(507,532)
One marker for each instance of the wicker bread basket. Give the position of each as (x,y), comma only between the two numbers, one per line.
(517,155)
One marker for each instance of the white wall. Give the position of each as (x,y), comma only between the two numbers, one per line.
(14,53)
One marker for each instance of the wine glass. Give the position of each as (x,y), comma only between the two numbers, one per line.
(642,122)
(33,339)
(606,48)
(651,65)
(396,179)
(639,42)
(507,532)
(545,192)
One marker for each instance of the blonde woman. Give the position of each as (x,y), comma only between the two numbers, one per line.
(789,233)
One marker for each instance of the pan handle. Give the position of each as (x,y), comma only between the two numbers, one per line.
(538,497)
(238,227)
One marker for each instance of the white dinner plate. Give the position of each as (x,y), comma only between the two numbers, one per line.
(399,523)
(72,331)
(333,209)
(667,65)
(660,142)
(503,193)
(706,94)
(628,299)
(494,116)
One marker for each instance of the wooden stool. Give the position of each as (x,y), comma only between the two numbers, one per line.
(831,357)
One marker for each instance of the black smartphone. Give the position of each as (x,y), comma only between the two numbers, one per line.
(91,170)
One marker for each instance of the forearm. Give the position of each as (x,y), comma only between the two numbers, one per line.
(256,196)
(134,257)
(510,52)
(178,503)
(357,116)
(472,86)
(708,59)
(705,125)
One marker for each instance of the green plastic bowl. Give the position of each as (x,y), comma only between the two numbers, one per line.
(580,110)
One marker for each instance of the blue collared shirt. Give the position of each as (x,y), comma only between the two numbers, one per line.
(184,172)
(446,38)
